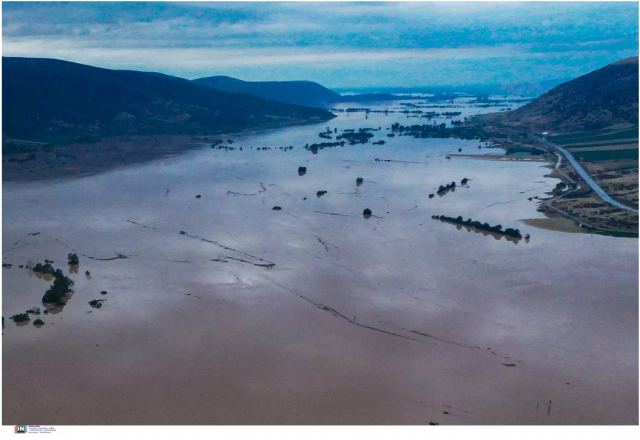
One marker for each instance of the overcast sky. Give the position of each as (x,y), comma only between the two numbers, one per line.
(337,44)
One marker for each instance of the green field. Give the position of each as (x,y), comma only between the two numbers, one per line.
(596,136)
(595,156)
(598,145)
(622,145)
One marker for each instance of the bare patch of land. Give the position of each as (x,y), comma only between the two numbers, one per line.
(561,224)
(584,207)
(618,178)
(509,157)
(610,157)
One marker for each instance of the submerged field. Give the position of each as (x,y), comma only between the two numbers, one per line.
(221,310)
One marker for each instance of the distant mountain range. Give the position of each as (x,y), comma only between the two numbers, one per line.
(599,99)
(59,101)
(56,101)
(292,92)
(525,89)
(307,93)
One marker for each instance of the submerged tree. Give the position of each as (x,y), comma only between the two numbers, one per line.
(59,289)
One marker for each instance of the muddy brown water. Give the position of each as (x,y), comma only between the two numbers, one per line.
(299,316)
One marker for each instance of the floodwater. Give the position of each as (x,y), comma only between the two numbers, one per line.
(228,312)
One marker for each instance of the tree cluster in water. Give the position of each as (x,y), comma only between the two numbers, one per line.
(45,268)
(61,284)
(446,188)
(361,136)
(438,131)
(315,147)
(405,111)
(19,317)
(497,229)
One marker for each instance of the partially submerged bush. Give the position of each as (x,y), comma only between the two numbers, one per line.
(46,268)
(59,289)
(96,303)
(20,317)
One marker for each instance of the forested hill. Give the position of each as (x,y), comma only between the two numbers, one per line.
(57,101)
(601,98)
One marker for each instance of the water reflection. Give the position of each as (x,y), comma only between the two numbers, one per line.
(514,240)
(244,312)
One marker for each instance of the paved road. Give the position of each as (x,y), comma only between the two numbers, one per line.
(587,178)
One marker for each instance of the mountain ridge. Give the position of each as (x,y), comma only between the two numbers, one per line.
(52,100)
(306,93)
(298,92)
(598,99)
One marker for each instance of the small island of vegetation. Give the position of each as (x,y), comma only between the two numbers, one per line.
(497,229)
(58,291)
(443,189)
(460,131)
(361,136)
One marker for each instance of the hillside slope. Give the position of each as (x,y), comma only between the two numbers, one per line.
(292,92)
(601,98)
(55,101)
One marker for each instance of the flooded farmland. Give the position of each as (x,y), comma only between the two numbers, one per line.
(220,309)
